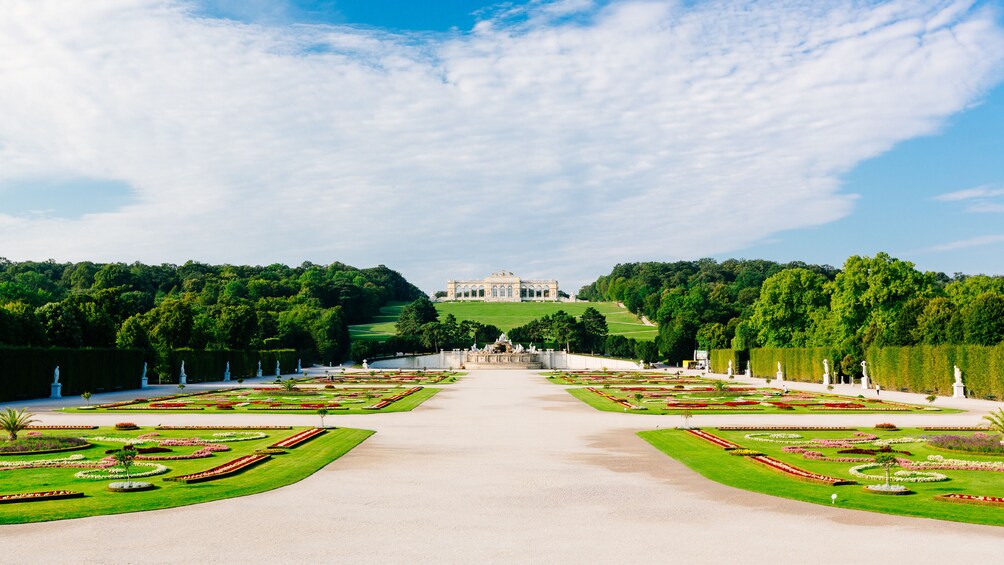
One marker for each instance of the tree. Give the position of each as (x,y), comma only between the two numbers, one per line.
(125,457)
(983,319)
(414,316)
(647,351)
(996,420)
(61,325)
(322,412)
(936,322)
(87,397)
(594,326)
(782,316)
(887,461)
(235,326)
(13,422)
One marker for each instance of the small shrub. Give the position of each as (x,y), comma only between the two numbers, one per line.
(886,426)
(126,426)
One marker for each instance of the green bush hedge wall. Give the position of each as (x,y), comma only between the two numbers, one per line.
(930,368)
(209,365)
(918,368)
(26,372)
(719,359)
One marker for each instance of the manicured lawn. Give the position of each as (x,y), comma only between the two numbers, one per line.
(718,465)
(702,398)
(627,378)
(381,327)
(280,470)
(307,399)
(389,377)
(510,315)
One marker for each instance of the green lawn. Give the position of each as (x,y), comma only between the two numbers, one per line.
(510,315)
(280,470)
(716,464)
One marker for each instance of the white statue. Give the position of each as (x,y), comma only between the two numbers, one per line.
(780,373)
(55,376)
(958,375)
(365,364)
(864,374)
(143,376)
(183,369)
(56,387)
(299,366)
(474,347)
(826,372)
(277,373)
(958,389)
(730,369)
(259,369)
(182,377)
(226,373)
(749,371)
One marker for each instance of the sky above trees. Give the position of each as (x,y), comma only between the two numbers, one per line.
(551,138)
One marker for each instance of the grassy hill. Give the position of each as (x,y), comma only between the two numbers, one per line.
(510,315)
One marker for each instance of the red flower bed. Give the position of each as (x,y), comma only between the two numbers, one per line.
(41,495)
(297,439)
(223,470)
(792,428)
(34,427)
(799,473)
(682,405)
(740,403)
(971,499)
(724,444)
(224,427)
(168,405)
(391,399)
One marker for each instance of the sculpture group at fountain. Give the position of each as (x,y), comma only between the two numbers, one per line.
(503,354)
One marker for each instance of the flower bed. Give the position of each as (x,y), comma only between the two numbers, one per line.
(105,473)
(297,439)
(42,495)
(783,428)
(34,427)
(978,443)
(725,444)
(971,499)
(224,427)
(42,445)
(954,429)
(221,471)
(898,476)
(801,474)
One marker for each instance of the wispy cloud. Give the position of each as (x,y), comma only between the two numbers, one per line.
(554,144)
(987,198)
(967,243)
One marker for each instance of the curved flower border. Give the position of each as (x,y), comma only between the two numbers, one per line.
(117,473)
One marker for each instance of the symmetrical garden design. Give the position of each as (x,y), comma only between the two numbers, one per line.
(382,377)
(273,398)
(719,398)
(237,461)
(815,464)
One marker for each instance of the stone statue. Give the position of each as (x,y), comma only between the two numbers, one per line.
(277,373)
(864,374)
(365,364)
(730,369)
(958,389)
(55,376)
(143,376)
(780,373)
(259,368)
(826,366)
(749,371)
(778,366)
(183,369)
(56,387)
(474,347)
(958,375)
(299,366)
(226,372)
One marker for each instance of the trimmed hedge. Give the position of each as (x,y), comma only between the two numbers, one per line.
(209,365)
(918,368)
(924,368)
(26,372)
(719,360)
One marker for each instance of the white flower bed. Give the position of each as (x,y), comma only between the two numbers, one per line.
(786,439)
(119,473)
(898,476)
(39,463)
(124,440)
(238,436)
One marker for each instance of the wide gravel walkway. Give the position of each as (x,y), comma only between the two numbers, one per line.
(504,467)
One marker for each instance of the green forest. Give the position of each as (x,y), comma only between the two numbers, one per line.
(741,304)
(162,308)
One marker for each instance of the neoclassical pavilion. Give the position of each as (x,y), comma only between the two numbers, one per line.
(503,287)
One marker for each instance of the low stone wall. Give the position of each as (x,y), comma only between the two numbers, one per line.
(549,360)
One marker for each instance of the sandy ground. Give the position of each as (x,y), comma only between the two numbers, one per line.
(504,467)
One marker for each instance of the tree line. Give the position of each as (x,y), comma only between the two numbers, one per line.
(160,308)
(745,304)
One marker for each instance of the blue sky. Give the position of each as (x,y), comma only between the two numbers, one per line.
(454,138)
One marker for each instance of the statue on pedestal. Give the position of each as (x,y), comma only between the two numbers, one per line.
(958,389)
(826,372)
(780,373)
(730,369)
(258,374)
(864,374)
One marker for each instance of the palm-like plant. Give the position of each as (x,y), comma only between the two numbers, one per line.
(996,420)
(289,385)
(12,422)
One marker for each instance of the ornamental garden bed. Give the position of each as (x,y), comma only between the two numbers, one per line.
(346,400)
(383,377)
(812,465)
(163,453)
(622,378)
(39,496)
(731,400)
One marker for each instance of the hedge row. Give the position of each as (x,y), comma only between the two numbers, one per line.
(719,360)
(918,368)
(210,365)
(27,372)
(930,368)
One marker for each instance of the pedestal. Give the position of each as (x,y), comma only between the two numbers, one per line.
(958,390)
(864,381)
(183,380)
(780,375)
(144,382)
(226,377)
(57,389)
(826,379)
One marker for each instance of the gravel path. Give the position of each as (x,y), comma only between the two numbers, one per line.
(504,467)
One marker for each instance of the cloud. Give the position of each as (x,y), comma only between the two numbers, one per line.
(985,199)
(967,243)
(555,144)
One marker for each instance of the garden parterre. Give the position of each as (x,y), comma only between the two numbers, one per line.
(163,456)
(719,398)
(302,399)
(382,377)
(812,465)
(612,378)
